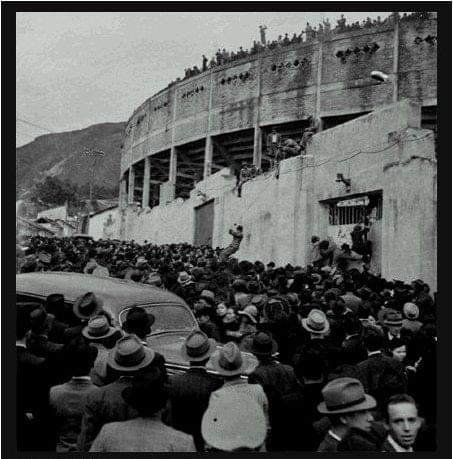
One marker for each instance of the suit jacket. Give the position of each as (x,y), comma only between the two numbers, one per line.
(141,435)
(104,405)
(31,398)
(67,402)
(189,399)
(359,440)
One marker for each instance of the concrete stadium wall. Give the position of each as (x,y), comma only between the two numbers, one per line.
(277,90)
(383,151)
(105,225)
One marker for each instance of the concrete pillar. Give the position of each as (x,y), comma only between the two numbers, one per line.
(131,185)
(208,157)
(146,178)
(257,147)
(123,193)
(173,165)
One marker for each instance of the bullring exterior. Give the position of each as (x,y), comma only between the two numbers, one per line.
(181,145)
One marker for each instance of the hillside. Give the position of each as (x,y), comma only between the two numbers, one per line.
(62,155)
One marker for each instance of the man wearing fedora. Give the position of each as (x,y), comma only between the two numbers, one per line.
(84,307)
(67,401)
(229,363)
(55,305)
(190,391)
(283,391)
(130,359)
(103,337)
(349,410)
(146,432)
(382,376)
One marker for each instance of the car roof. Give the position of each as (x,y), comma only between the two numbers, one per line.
(118,294)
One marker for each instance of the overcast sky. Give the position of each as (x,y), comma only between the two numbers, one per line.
(78,69)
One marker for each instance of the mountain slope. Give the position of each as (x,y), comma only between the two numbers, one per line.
(62,155)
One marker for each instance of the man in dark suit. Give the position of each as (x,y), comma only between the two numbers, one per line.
(381,376)
(31,392)
(131,359)
(190,392)
(284,393)
(139,322)
(68,400)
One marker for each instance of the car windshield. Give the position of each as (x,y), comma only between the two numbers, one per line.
(167,318)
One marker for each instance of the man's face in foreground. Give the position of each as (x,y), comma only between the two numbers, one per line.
(404,423)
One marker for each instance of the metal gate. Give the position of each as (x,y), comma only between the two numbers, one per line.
(204,224)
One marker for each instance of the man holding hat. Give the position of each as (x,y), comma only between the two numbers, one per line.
(190,391)
(130,359)
(103,337)
(349,410)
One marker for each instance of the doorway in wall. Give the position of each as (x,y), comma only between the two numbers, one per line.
(204,223)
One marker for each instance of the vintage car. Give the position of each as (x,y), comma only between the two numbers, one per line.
(173,318)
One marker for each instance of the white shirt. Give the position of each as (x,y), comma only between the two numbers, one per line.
(397,447)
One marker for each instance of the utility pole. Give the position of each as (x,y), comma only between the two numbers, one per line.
(95,154)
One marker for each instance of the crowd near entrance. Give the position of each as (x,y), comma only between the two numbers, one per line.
(321,357)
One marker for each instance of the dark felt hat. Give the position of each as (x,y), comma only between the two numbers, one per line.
(87,305)
(345,395)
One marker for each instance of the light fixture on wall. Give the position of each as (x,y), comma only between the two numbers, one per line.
(201,196)
(379,76)
(347,182)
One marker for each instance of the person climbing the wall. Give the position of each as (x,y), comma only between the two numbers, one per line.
(237,233)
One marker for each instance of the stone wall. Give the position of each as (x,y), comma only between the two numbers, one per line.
(325,77)
(384,151)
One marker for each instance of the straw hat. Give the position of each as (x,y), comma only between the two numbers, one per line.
(316,322)
(98,328)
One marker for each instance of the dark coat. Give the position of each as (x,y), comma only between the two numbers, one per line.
(382,377)
(359,440)
(212,330)
(104,405)
(286,405)
(189,399)
(32,389)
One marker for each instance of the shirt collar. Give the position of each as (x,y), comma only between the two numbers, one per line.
(398,448)
(234,382)
(334,435)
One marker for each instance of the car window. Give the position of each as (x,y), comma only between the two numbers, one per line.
(167,317)
(22,298)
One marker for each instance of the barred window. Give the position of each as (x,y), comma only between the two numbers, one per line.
(340,213)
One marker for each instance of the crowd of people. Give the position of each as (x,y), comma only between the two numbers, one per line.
(345,359)
(308,34)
